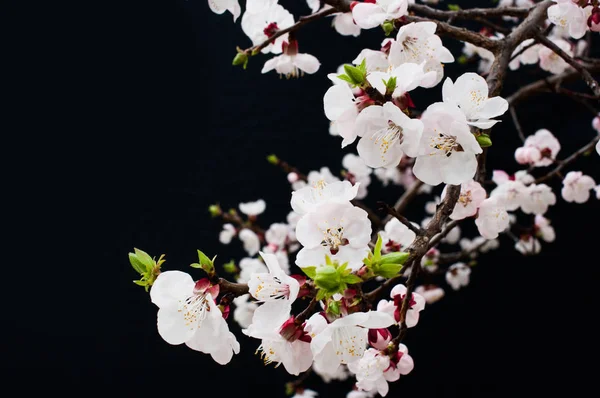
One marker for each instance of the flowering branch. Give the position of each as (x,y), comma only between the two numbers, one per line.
(394,213)
(470,13)
(563,163)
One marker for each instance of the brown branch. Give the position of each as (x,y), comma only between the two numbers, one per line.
(561,164)
(237,289)
(449,227)
(516,122)
(392,212)
(585,74)
(308,311)
(237,220)
(301,22)
(470,13)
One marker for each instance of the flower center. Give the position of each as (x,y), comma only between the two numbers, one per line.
(410,47)
(445,143)
(194,309)
(271,287)
(334,238)
(388,136)
(465,198)
(271,29)
(267,353)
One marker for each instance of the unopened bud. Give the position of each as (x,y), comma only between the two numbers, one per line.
(272,159)
(388,27)
(240,59)
(484,140)
(215,210)
(292,177)
(379,338)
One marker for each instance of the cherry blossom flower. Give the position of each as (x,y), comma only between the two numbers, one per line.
(339,230)
(408,77)
(386,135)
(273,285)
(277,235)
(393,307)
(543,229)
(511,193)
(537,198)
(270,323)
(314,5)
(344,340)
(344,24)
(305,393)
(529,56)
(471,196)
(430,293)
(369,371)
(220,6)
(396,236)
(552,62)
(341,108)
(291,63)
(417,43)
(539,149)
(492,218)
(470,94)
(458,275)
(369,15)
(576,187)
(527,244)
(244,310)
(262,25)
(567,14)
(188,314)
(447,148)
(596,124)
(487,57)
(253,208)
(227,234)
(258,6)
(249,266)
(307,199)
(250,240)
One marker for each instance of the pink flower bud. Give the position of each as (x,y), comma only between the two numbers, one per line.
(379,338)
(521,156)
(292,177)
(594,20)
(291,331)
(596,124)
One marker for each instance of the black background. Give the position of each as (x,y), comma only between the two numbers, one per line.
(129,121)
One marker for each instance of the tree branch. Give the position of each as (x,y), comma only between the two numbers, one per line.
(585,74)
(392,212)
(237,289)
(470,13)
(515,120)
(570,159)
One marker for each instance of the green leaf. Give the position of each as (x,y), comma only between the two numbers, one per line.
(137,265)
(388,270)
(484,140)
(351,279)
(363,66)
(357,75)
(390,85)
(333,307)
(328,278)
(453,7)
(204,260)
(140,282)
(144,258)
(377,250)
(273,159)
(321,294)
(311,272)
(196,265)
(345,78)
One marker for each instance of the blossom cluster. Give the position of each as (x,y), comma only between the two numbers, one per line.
(299,289)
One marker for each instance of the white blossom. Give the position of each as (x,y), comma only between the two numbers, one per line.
(528,245)
(576,187)
(227,234)
(537,198)
(370,15)
(273,285)
(220,6)
(552,62)
(344,24)
(458,275)
(567,14)
(250,240)
(249,266)
(253,208)
(396,236)
(430,293)
(492,218)
(543,229)
(307,199)
(471,196)
(262,25)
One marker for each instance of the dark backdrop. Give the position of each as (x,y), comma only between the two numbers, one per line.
(132,122)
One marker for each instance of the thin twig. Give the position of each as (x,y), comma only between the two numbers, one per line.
(567,161)
(392,211)
(515,119)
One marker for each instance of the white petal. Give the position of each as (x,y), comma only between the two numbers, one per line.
(172,328)
(367,15)
(376,79)
(337,100)
(170,287)
(377,153)
(493,107)
(307,63)
(270,65)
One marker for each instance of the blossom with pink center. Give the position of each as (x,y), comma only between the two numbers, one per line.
(339,230)
(188,314)
(430,293)
(536,199)
(220,6)
(370,371)
(552,62)
(417,43)
(492,218)
(291,63)
(370,14)
(262,25)
(344,340)
(569,15)
(543,229)
(539,150)
(396,236)
(283,341)
(274,285)
(471,196)
(393,307)
(387,134)
(458,275)
(576,187)
(447,150)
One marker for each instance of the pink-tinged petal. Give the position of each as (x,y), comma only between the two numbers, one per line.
(368,15)
(493,107)
(406,364)
(398,290)
(382,387)
(297,357)
(412,318)
(307,63)
(170,287)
